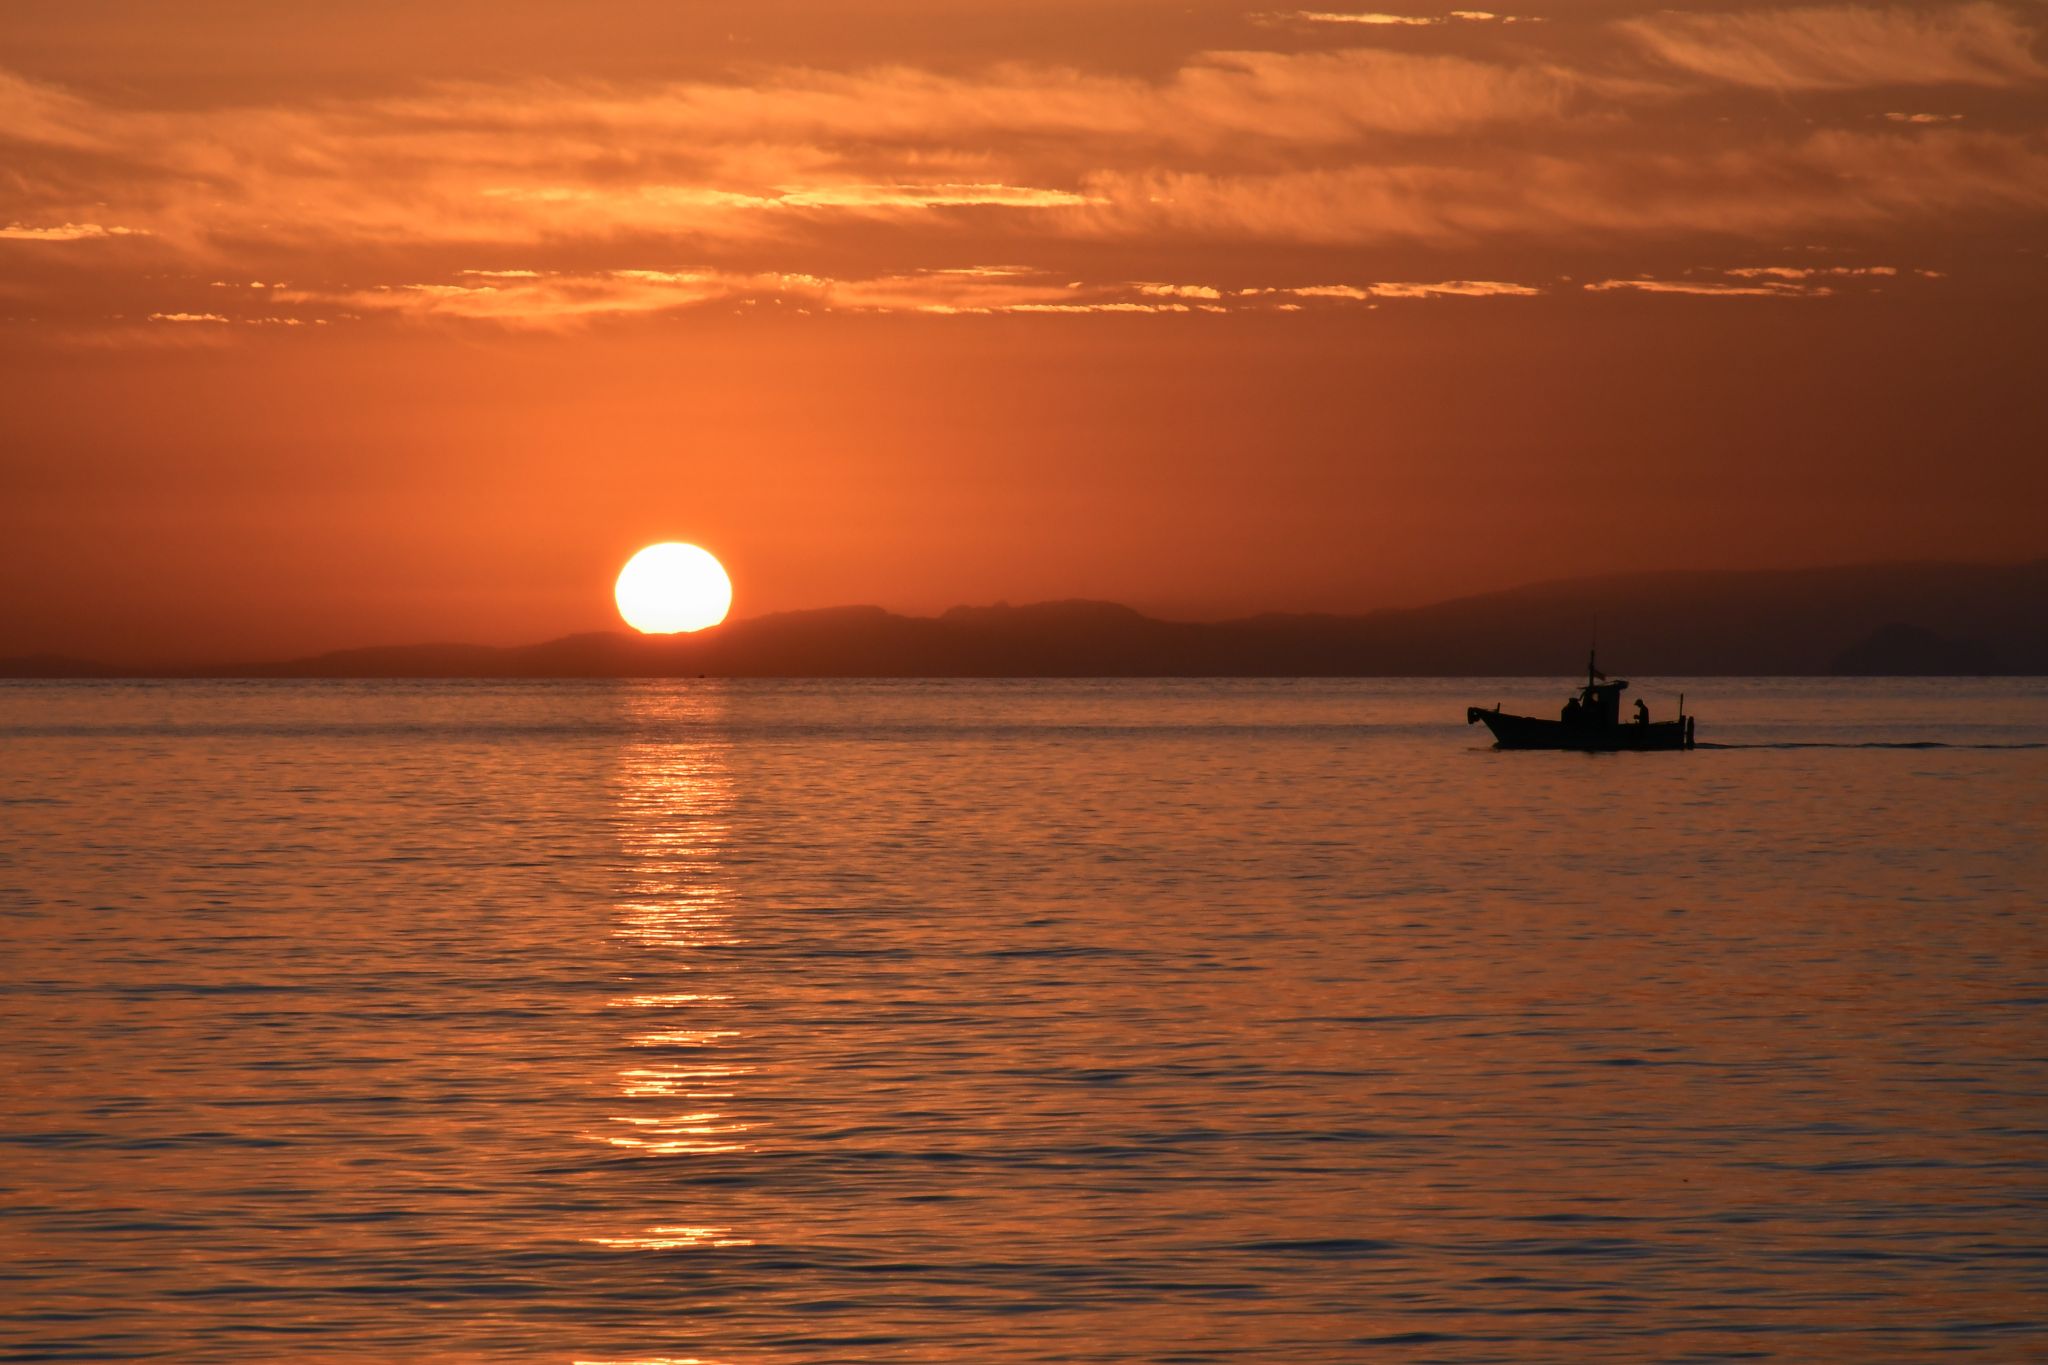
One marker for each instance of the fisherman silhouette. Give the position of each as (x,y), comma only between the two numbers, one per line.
(1642,712)
(1571,711)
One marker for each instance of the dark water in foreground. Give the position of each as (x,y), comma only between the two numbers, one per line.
(1018,1021)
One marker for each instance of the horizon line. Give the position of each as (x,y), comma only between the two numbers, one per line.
(221,667)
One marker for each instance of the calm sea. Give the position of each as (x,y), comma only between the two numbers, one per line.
(1019,1021)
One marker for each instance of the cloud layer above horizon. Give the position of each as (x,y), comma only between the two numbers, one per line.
(1327,159)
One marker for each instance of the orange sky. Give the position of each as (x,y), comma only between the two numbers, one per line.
(330,324)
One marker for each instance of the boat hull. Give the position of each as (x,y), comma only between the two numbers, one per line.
(1529,732)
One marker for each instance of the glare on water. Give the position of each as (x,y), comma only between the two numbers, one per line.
(1017,1021)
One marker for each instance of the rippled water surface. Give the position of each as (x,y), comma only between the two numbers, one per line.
(1125,1021)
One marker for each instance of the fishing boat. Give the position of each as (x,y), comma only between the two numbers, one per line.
(1591,720)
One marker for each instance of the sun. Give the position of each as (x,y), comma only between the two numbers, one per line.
(673,587)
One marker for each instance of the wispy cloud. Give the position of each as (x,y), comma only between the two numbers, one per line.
(1373,19)
(1843,47)
(661,199)
(1466,289)
(1767,281)
(65,232)
(1466,156)
(1827,180)
(556,300)
(538,299)
(705,162)
(1711,289)
(1808,272)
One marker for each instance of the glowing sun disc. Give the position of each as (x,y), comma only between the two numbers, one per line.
(673,587)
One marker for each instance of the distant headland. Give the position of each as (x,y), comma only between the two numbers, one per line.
(1897,619)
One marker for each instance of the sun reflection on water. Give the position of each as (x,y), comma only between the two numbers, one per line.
(675,802)
(674,1238)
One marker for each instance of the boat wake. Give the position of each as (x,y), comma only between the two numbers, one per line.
(1873,744)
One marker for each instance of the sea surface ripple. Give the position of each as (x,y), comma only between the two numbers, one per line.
(1018,1021)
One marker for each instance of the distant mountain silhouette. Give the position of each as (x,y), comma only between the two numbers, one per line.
(1864,619)
(1899,651)
(59,666)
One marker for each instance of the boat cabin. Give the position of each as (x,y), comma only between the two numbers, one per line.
(1596,703)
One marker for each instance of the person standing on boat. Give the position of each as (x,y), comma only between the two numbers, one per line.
(1571,711)
(1642,712)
